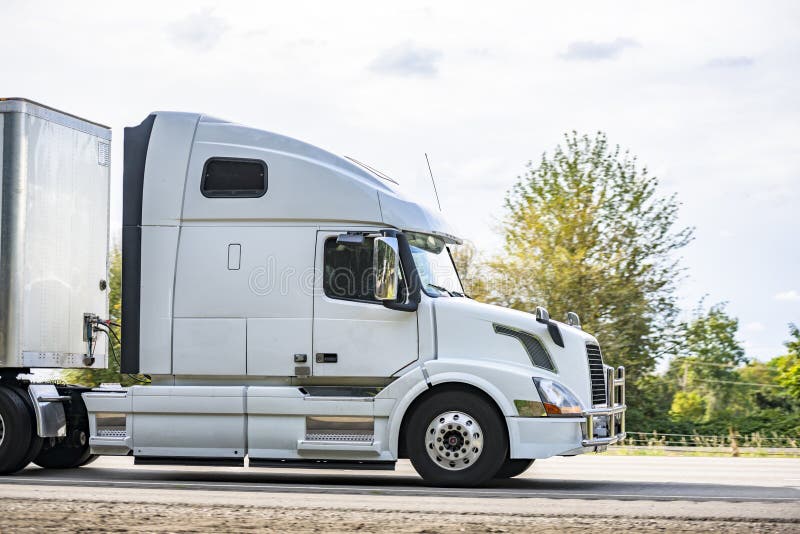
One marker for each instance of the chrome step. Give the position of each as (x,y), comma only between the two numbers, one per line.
(323,464)
(340,437)
(316,445)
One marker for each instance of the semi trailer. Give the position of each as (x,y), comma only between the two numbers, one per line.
(291,308)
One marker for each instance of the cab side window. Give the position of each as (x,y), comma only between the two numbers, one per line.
(348,271)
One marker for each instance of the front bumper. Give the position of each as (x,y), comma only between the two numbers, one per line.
(613,413)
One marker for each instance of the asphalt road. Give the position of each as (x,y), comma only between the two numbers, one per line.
(624,491)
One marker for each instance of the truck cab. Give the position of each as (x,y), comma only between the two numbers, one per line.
(292,308)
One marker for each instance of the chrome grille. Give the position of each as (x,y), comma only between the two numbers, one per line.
(112,432)
(596,374)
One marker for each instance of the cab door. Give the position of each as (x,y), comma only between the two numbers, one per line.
(354,335)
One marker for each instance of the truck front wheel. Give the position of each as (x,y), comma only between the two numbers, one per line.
(456,438)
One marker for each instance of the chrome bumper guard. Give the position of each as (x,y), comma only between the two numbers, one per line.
(614,411)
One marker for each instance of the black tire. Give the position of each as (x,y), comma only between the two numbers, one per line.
(63,457)
(35,446)
(477,408)
(90,459)
(17,430)
(72,451)
(512,468)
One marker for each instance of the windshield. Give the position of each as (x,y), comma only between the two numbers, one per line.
(434,265)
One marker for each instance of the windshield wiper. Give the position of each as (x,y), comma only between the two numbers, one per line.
(441,289)
(449,292)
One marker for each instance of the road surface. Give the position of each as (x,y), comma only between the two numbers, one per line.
(597,492)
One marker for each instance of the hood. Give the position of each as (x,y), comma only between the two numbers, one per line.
(469,329)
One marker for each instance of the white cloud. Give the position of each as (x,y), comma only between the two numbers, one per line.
(408,59)
(200,31)
(755,326)
(788,296)
(597,51)
(731,62)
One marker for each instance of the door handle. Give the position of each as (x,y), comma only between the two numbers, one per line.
(327,357)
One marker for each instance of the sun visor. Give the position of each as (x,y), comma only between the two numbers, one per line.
(411,216)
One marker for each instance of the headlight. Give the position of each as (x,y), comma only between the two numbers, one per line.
(557,399)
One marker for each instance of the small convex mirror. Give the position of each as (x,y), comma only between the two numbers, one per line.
(541,315)
(386,261)
(573,319)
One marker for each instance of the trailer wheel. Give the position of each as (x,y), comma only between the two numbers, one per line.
(456,438)
(512,468)
(16,431)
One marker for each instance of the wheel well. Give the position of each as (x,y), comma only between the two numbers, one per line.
(447,386)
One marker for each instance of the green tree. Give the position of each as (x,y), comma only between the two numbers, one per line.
(760,389)
(470,270)
(709,359)
(688,406)
(788,366)
(587,230)
(95,377)
(649,410)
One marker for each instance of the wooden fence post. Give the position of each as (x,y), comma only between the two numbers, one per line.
(734,445)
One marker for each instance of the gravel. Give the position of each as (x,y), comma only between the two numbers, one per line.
(64,515)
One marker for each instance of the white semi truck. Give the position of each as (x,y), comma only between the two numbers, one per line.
(290,306)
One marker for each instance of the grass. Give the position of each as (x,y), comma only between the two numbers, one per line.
(751,445)
(697,451)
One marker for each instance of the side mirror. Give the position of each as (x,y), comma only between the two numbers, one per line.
(385,263)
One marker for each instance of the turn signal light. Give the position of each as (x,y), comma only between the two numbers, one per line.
(552,409)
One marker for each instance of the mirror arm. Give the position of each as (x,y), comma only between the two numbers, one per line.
(411,276)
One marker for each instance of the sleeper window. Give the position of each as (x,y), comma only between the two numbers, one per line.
(234,178)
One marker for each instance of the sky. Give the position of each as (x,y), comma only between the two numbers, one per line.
(706,94)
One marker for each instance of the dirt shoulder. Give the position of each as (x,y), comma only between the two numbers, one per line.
(58,515)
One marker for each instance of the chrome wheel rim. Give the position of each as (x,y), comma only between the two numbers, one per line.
(2,430)
(454,440)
